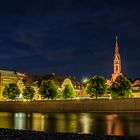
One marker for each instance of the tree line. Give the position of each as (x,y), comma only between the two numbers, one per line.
(120,88)
(47,90)
(95,87)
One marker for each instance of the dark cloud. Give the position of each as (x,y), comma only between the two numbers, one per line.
(69,37)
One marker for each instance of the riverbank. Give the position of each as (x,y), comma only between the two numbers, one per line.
(11,134)
(88,105)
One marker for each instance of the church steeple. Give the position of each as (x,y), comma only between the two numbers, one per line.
(117,46)
(117,62)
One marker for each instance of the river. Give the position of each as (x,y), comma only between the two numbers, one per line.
(96,123)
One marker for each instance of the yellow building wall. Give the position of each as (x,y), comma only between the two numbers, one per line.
(6,79)
(136,94)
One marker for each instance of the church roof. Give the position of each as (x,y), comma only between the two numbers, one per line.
(30,79)
(7,72)
(136,83)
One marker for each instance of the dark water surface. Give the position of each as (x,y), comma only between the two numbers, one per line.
(96,123)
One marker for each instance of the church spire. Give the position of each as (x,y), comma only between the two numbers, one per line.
(117,62)
(117,46)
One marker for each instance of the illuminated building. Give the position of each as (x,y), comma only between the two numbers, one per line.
(7,77)
(136,89)
(117,62)
(116,65)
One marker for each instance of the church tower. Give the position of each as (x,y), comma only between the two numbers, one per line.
(117,62)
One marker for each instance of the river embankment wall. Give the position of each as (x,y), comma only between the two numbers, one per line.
(88,105)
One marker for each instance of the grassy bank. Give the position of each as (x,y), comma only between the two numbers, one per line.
(99,105)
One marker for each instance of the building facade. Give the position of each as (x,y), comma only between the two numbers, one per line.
(6,77)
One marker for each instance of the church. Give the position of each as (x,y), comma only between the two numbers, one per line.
(116,64)
(117,71)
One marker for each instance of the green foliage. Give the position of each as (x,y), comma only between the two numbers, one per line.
(11,91)
(96,86)
(28,93)
(68,92)
(59,94)
(37,83)
(48,89)
(121,88)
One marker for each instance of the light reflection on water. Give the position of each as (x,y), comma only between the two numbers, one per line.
(96,123)
(113,124)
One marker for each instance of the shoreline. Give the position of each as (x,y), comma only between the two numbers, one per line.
(72,106)
(8,134)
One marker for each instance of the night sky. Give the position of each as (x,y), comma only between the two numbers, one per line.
(69,37)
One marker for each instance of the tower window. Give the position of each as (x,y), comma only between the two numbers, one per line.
(116,68)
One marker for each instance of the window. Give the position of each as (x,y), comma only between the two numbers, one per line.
(116,68)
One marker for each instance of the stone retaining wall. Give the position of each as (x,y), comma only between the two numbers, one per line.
(89,105)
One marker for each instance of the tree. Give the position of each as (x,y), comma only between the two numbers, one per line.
(59,94)
(11,91)
(96,86)
(37,83)
(48,89)
(68,92)
(28,93)
(121,88)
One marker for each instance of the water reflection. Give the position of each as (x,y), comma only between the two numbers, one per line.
(21,120)
(38,122)
(60,122)
(86,121)
(114,125)
(96,123)
(5,120)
